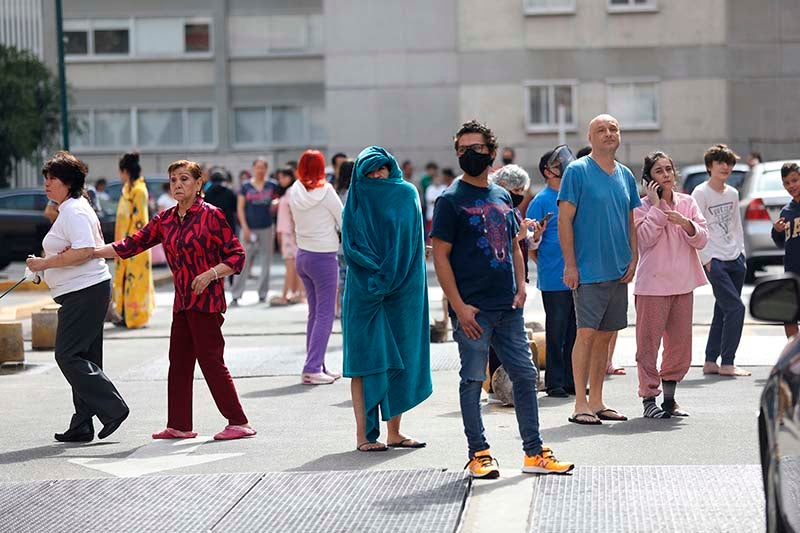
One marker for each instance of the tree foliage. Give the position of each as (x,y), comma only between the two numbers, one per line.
(29,109)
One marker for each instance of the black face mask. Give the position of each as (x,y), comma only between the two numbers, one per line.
(516,199)
(507,160)
(473,164)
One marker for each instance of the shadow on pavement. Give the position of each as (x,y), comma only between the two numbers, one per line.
(633,426)
(52,450)
(351,460)
(297,388)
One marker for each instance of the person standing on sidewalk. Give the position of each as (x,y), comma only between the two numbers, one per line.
(134,291)
(786,230)
(385,307)
(598,240)
(317,213)
(201,250)
(81,285)
(254,209)
(670,230)
(723,259)
(481,271)
(560,328)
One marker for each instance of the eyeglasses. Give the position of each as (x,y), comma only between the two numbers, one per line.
(479,148)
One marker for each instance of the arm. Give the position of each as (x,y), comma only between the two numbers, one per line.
(242,218)
(696,227)
(779,233)
(566,237)
(447,279)
(629,273)
(519,276)
(231,251)
(649,223)
(67,258)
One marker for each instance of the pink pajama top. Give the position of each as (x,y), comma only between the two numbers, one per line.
(668,260)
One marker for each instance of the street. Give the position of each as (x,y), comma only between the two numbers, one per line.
(693,474)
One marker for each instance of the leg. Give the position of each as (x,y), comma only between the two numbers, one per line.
(302,264)
(514,352)
(474,355)
(714,342)
(558,308)
(363,442)
(180,378)
(250,250)
(266,244)
(207,334)
(494,364)
(733,318)
(610,368)
(581,359)
(597,369)
(323,271)
(677,356)
(652,313)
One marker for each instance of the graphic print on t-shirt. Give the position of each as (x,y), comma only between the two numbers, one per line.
(723,217)
(489,221)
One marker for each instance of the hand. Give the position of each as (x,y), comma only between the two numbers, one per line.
(519,299)
(538,229)
(629,273)
(652,193)
(571,278)
(780,225)
(522,234)
(466,319)
(36,264)
(201,282)
(246,234)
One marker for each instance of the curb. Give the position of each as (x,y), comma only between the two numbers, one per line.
(18,312)
(26,286)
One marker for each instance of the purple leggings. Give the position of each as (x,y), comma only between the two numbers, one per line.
(319,272)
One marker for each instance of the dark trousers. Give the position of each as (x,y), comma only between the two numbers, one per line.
(79,354)
(727,280)
(560,330)
(197,336)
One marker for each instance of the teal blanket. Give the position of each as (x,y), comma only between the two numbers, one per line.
(385,320)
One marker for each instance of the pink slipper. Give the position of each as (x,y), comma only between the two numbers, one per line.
(234,432)
(615,371)
(170,433)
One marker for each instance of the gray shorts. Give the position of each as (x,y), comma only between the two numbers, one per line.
(602,306)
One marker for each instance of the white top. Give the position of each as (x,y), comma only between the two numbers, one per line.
(317,217)
(165,201)
(431,194)
(77,226)
(721,211)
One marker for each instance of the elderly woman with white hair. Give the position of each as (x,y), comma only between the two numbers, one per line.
(516,181)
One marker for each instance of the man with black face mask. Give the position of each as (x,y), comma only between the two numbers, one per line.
(481,270)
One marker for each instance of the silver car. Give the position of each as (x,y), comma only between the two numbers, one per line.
(694,175)
(761,199)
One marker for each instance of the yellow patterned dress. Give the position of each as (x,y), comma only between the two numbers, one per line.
(134,295)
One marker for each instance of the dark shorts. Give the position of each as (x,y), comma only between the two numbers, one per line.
(602,306)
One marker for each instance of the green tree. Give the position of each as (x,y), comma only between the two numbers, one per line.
(29,109)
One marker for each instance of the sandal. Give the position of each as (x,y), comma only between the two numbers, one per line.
(580,418)
(234,432)
(381,447)
(407,443)
(610,414)
(279,301)
(169,433)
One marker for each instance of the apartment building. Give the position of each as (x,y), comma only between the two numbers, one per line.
(224,81)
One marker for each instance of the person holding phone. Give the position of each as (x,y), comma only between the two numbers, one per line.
(560,325)
(670,230)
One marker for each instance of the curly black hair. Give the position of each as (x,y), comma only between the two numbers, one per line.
(473,126)
(70,170)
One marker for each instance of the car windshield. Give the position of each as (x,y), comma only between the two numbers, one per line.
(770,181)
(736,179)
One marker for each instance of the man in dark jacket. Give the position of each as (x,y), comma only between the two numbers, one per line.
(221,196)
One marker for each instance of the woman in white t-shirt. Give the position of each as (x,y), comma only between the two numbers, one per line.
(82,286)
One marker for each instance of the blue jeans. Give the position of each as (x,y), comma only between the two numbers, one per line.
(727,279)
(560,330)
(505,331)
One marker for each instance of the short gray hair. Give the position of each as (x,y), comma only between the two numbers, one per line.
(511,177)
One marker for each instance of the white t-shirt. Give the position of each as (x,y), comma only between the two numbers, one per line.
(725,233)
(431,194)
(77,226)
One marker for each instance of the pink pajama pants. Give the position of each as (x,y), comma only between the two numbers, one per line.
(670,318)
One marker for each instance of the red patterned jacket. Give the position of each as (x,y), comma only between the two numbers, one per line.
(192,246)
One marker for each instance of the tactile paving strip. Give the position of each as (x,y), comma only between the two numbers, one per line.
(159,503)
(395,501)
(650,498)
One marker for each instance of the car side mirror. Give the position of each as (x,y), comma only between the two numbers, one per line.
(777,299)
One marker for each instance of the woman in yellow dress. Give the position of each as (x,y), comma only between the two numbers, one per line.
(133,294)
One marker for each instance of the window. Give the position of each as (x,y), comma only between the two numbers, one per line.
(166,128)
(543,100)
(628,6)
(548,7)
(262,35)
(138,37)
(278,125)
(634,103)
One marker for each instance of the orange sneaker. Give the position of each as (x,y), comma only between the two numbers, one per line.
(483,466)
(545,463)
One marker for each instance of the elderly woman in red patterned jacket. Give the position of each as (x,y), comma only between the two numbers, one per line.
(201,250)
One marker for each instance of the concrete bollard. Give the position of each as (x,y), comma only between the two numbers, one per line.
(43,328)
(12,349)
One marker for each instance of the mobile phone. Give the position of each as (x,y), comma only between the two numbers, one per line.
(547,217)
(646,179)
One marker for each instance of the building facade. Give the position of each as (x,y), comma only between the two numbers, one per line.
(224,81)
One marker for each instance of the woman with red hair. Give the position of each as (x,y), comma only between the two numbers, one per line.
(317,213)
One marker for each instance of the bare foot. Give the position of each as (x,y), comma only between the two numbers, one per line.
(368,446)
(731,370)
(615,371)
(710,368)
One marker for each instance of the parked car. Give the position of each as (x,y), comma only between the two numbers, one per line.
(777,299)
(761,199)
(114,190)
(694,175)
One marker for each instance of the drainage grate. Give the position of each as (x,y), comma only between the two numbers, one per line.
(650,498)
(396,501)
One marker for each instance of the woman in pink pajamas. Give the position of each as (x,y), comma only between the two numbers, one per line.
(670,230)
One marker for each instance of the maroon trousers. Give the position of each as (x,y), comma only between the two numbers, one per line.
(197,336)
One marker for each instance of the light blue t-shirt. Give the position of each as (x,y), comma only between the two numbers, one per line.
(550,260)
(601,225)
